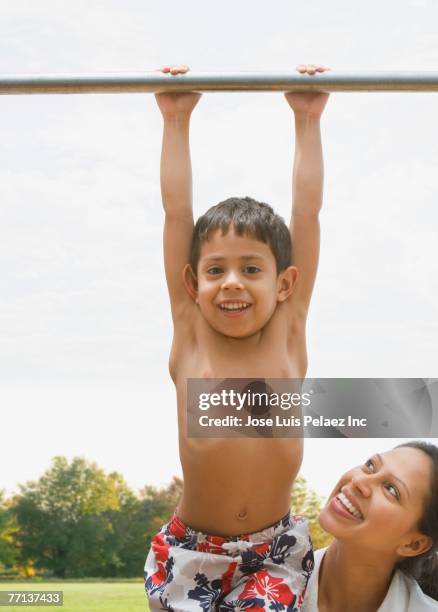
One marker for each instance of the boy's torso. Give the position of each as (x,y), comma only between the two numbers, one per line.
(236,485)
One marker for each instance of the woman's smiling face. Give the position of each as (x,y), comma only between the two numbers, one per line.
(377,506)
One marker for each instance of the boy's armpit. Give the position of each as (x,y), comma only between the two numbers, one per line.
(177,240)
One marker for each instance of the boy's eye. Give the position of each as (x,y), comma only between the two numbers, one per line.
(251,269)
(214,270)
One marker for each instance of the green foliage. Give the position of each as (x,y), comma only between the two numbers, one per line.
(305,502)
(78,521)
(8,529)
(66,519)
(159,504)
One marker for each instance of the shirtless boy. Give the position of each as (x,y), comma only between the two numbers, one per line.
(239,306)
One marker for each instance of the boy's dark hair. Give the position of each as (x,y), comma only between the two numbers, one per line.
(248,217)
(424,568)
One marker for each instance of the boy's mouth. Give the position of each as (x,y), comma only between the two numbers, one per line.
(233,308)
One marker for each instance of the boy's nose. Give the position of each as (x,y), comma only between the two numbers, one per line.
(232,281)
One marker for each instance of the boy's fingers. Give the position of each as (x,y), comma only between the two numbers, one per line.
(179,69)
(311,68)
(307,68)
(182,69)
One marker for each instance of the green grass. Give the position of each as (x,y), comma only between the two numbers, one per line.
(85,596)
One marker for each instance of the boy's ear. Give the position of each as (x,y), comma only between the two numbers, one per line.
(286,283)
(416,545)
(190,282)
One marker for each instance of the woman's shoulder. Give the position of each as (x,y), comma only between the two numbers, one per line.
(310,603)
(405,594)
(318,555)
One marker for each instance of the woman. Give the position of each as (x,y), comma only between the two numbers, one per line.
(384,519)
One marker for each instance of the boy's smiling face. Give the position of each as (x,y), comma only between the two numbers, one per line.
(238,287)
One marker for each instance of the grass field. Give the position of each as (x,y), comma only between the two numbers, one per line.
(86,596)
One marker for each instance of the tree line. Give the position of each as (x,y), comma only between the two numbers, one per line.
(77,521)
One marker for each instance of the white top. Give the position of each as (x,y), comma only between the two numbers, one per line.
(404,593)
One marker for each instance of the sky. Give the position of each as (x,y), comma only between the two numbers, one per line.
(85,326)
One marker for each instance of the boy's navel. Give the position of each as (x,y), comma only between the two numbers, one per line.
(242,514)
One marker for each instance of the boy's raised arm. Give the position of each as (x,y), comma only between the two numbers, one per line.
(176,186)
(307,188)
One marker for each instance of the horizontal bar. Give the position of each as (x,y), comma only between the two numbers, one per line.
(206,82)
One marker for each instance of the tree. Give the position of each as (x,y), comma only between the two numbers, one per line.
(159,504)
(65,519)
(129,538)
(8,528)
(157,507)
(307,503)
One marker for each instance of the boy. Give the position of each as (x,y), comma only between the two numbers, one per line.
(239,310)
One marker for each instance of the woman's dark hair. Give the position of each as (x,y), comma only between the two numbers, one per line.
(424,567)
(248,217)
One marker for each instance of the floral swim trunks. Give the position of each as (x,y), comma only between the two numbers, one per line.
(269,570)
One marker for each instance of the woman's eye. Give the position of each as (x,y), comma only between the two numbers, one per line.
(214,270)
(393,491)
(251,269)
(370,465)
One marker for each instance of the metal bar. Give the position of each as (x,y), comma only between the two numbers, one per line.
(207,82)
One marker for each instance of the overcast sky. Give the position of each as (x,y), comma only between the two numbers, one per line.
(84,321)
